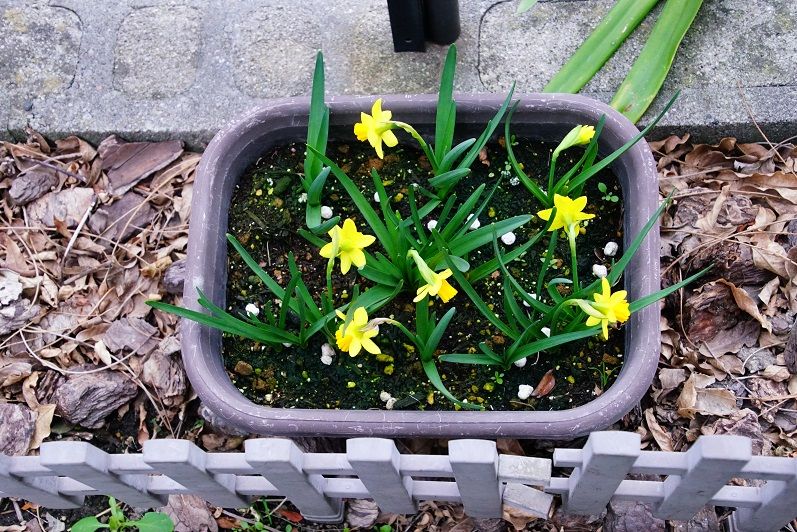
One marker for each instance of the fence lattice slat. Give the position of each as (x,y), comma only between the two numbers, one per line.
(475,467)
(43,491)
(83,461)
(376,461)
(185,463)
(712,462)
(607,459)
(778,505)
(281,462)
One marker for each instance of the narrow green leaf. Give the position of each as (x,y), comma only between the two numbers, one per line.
(250,331)
(449,177)
(529,183)
(450,228)
(270,283)
(430,369)
(487,133)
(446,108)
(437,333)
(609,159)
(317,125)
(619,267)
(554,341)
(455,153)
(643,302)
(484,235)
(468,358)
(477,301)
(362,204)
(313,210)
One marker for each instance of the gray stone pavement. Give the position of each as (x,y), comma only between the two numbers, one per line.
(155,69)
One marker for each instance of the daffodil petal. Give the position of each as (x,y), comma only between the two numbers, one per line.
(389,138)
(345,263)
(327,251)
(360,317)
(370,346)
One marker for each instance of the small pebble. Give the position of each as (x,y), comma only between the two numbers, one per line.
(385,397)
(390,403)
(326,212)
(508,238)
(376,197)
(431,224)
(546,331)
(302,197)
(599,271)
(326,360)
(514,181)
(610,249)
(252,309)
(327,350)
(524,391)
(475,224)
(520,363)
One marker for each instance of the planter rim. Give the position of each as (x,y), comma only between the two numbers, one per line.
(284,119)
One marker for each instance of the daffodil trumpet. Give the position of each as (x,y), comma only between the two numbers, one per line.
(436,282)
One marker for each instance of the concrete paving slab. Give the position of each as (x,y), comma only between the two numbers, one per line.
(159,69)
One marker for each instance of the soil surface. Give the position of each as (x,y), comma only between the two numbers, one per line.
(267,210)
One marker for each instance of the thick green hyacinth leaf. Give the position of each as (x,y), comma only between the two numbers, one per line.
(647,74)
(601,44)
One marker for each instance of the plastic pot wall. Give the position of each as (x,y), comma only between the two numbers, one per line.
(539,116)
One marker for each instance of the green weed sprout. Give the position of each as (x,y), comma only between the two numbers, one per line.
(118,522)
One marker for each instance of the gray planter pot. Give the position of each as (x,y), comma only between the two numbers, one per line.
(539,116)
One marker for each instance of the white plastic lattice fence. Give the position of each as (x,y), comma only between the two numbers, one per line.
(472,473)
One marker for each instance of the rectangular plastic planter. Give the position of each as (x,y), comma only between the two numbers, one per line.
(539,116)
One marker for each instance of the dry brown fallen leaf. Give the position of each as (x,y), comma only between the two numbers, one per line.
(545,386)
(707,401)
(746,303)
(662,437)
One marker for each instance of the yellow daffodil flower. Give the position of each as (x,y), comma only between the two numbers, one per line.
(357,334)
(347,244)
(569,213)
(577,136)
(608,308)
(436,283)
(376,128)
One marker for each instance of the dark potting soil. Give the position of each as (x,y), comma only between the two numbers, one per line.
(267,209)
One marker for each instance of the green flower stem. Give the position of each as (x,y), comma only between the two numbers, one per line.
(546,261)
(550,175)
(571,237)
(330,266)
(417,136)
